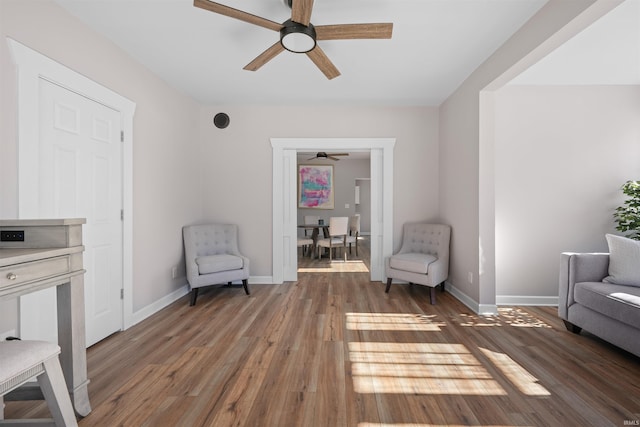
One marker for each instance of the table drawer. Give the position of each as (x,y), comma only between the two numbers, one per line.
(30,271)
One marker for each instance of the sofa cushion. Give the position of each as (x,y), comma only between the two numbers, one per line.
(616,301)
(413,262)
(217,263)
(624,261)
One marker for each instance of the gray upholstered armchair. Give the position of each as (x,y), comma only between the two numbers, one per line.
(212,257)
(423,258)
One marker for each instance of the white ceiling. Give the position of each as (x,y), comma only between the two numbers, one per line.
(436,44)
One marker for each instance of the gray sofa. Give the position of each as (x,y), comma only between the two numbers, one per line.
(588,301)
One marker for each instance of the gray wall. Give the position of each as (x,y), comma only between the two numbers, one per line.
(237,168)
(562,154)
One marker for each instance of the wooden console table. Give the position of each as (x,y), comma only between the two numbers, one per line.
(50,254)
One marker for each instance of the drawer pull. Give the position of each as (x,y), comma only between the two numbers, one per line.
(12,276)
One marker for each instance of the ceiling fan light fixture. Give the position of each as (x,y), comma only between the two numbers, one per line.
(297,38)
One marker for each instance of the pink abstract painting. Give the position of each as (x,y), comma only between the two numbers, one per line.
(315,186)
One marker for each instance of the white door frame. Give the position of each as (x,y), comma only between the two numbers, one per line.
(33,66)
(285,194)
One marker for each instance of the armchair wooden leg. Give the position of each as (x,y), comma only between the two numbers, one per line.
(194,296)
(388,285)
(432,295)
(245,284)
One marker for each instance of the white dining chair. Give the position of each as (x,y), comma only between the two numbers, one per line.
(338,230)
(354,232)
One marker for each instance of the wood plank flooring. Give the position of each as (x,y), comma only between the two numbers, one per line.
(334,350)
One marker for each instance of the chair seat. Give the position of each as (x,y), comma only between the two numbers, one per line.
(216,263)
(334,241)
(22,357)
(413,262)
(304,241)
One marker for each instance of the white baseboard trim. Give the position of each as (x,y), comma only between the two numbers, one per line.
(481,309)
(261,280)
(526,300)
(158,305)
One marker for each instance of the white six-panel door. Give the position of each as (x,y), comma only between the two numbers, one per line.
(79,174)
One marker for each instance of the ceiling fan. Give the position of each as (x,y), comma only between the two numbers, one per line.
(332,156)
(298,35)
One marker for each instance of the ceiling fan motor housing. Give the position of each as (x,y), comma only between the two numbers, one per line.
(297,38)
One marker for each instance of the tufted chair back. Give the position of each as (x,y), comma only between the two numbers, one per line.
(430,239)
(213,239)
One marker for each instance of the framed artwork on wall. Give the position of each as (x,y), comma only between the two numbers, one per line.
(315,186)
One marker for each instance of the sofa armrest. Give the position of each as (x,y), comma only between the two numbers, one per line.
(576,268)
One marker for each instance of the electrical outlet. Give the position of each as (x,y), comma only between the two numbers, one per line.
(12,235)
(470,277)
(346,205)
(174,272)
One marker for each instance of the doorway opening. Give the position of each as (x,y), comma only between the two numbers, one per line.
(285,204)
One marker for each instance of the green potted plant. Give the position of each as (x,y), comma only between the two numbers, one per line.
(628,215)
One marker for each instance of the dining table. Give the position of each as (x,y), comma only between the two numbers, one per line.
(315,234)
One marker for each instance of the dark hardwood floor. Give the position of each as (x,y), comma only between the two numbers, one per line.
(334,350)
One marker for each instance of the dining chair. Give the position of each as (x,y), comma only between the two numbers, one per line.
(338,230)
(310,220)
(354,232)
(306,243)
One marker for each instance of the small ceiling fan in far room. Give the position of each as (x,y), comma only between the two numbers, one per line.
(298,35)
(332,156)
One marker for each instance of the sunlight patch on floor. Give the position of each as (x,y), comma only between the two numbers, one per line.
(419,368)
(520,377)
(337,266)
(392,322)
(431,368)
(507,316)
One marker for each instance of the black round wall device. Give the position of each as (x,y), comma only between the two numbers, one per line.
(221,120)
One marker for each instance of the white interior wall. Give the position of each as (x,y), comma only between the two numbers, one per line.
(466,177)
(165,140)
(561,156)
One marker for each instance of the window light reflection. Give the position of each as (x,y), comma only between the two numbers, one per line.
(392,322)
(419,368)
(520,377)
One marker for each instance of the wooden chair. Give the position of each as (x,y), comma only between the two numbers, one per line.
(22,361)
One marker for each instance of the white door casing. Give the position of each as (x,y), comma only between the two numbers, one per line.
(285,193)
(33,70)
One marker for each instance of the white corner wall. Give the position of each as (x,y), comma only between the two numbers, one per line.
(466,176)
(165,142)
(561,156)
